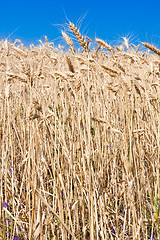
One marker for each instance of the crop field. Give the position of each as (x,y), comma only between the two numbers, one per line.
(79,140)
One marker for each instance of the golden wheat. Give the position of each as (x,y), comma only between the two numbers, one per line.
(70,65)
(68,41)
(79,141)
(152,48)
(78,36)
(104,44)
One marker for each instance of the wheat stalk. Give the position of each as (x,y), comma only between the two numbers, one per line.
(67,124)
(88,39)
(57,216)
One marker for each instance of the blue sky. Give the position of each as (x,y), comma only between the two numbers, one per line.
(31,20)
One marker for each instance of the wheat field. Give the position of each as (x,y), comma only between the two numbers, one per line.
(79,140)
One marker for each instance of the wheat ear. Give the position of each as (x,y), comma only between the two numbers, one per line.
(137,48)
(70,65)
(126,42)
(104,44)
(78,35)
(68,41)
(88,39)
(152,48)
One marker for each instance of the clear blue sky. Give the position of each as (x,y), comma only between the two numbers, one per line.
(31,20)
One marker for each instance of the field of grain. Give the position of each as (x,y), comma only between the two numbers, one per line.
(79,140)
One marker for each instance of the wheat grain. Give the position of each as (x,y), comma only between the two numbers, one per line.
(121,68)
(46,39)
(138,48)
(134,46)
(88,39)
(98,48)
(60,74)
(118,49)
